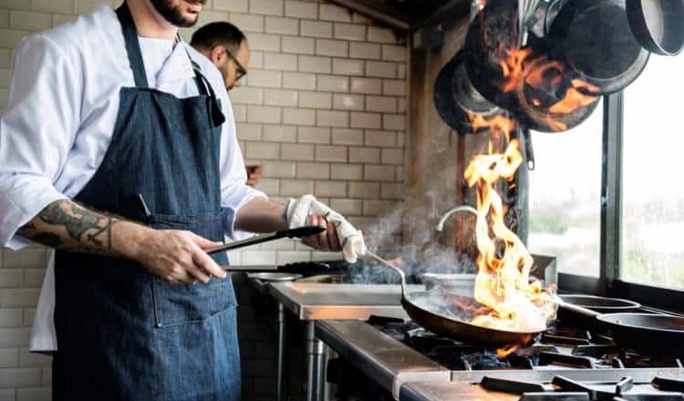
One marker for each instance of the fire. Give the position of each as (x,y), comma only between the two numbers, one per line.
(501,124)
(512,67)
(504,263)
(574,98)
(544,88)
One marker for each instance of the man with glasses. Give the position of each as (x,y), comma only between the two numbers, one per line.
(226,46)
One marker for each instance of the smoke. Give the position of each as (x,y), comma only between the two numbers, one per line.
(407,235)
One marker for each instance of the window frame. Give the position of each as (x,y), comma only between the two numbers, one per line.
(608,283)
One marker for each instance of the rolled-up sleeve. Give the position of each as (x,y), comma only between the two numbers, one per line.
(37,127)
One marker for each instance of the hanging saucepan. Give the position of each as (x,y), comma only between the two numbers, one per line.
(534,87)
(658,25)
(491,33)
(456,98)
(645,332)
(594,39)
(447,315)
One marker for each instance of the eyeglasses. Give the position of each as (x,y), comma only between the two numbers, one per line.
(241,71)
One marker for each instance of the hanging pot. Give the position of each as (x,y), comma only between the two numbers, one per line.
(542,97)
(526,81)
(594,39)
(493,30)
(658,25)
(455,97)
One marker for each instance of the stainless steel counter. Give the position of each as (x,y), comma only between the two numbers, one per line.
(315,301)
(385,360)
(311,302)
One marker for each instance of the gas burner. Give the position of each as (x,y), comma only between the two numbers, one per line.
(417,365)
(393,327)
(561,347)
(564,388)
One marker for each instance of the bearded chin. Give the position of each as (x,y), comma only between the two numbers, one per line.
(173,14)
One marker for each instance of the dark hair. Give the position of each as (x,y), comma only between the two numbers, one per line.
(218,33)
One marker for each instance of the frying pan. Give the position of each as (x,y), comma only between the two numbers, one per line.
(455,97)
(657,25)
(493,32)
(594,39)
(646,332)
(601,304)
(446,314)
(594,303)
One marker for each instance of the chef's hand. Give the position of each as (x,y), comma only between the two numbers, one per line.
(178,256)
(339,234)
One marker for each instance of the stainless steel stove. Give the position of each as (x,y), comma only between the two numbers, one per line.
(617,385)
(401,361)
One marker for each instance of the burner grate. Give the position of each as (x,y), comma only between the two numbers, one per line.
(562,388)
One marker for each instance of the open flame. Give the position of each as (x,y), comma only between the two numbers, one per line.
(503,280)
(543,87)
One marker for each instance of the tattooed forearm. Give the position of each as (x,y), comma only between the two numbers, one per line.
(67,225)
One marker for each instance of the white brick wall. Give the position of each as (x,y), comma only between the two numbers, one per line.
(323,110)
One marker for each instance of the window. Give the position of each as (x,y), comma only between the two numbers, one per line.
(652,215)
(564,197)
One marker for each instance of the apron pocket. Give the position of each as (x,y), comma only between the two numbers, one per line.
(182,303)
(176,304)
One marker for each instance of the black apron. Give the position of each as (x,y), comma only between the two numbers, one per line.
(123,333)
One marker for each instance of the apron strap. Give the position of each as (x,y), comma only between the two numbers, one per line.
(206,89)
(132,45)
(138,67)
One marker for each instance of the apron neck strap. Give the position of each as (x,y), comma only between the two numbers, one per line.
(132,45)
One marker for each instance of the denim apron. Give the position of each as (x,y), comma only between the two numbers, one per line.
(123,333)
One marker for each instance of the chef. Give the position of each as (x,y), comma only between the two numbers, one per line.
(118,149)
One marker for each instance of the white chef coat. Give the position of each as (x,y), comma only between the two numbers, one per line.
(59,118)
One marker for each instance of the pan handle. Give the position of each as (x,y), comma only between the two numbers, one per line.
(577,309)
(402,276)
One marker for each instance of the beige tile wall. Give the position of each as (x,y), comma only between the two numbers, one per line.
(323,110)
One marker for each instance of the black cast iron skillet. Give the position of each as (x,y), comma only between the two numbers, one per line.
(594,303)
(455,97)
(447,315)
(601,304)
(646,332)
(658,25)
(594,39)
(491,36)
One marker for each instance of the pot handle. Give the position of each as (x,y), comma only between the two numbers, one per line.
(526,138)
(577,309)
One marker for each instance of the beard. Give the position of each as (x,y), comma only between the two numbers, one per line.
(173,14)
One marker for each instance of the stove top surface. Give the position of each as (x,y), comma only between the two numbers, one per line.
(570,386)
(560,347)
(561,353)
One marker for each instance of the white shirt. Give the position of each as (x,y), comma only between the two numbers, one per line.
(59,118)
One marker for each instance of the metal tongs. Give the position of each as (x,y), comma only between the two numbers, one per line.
(291,233)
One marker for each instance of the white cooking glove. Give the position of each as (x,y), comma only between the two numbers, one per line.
(351,239)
